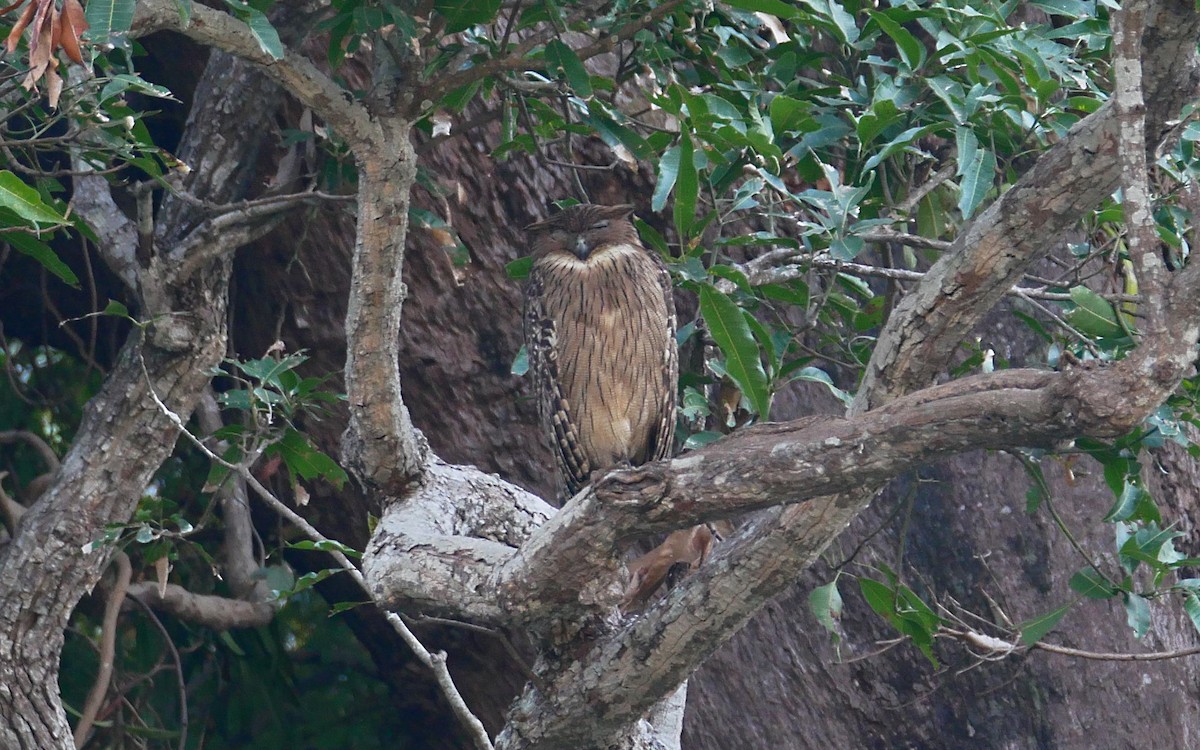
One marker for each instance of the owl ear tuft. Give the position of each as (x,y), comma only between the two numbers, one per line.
(623,211)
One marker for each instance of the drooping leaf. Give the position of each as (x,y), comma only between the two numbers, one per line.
(1191,605)
(262,30)
(668,173)
(912,52)
(733,336)
(559,55)
(977,174)
(817,375)
(303,459)
(41,252)
(826,605)
(687,189)
(1137,614)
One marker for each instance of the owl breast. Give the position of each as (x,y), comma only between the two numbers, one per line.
(612,349)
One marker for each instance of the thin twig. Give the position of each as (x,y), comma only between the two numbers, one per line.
(435,661)
(108,645)
(183,710)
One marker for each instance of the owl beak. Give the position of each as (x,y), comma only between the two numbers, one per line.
(582,248)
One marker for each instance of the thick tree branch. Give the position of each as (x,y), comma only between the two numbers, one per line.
(294,72)
(1141,236)
(216,612)
(791,462)
(437,551)
(381,445)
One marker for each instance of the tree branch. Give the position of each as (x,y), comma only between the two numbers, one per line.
(294,72)
(217,612)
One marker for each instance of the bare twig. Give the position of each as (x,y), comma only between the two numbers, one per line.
(758,273)
(108,643)
(183,709)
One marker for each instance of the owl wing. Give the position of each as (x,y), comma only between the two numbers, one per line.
(662,443)
(573,467)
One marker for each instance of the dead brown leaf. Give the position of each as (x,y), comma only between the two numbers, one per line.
(50,30)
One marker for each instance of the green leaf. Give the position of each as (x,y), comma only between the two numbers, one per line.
(826,604)
(262,30)
(326,545)
(302,458)
(25,201)
(668,173)
(1034,630)
(701,439)
(519,268)
(977,168)
(731,333)
(41,252)
(308,580)
(844,22)
(687,189)
(1093,314)
(185,11)
(462,14)
(817,375)
(911,51)
(116,309)
(520,364)
(341,607)
(1091,584)
(898,143)
(108,17)
(776,8)
(1191,605)
(1137,614)
(561,56)
(787,113)
(1126,503)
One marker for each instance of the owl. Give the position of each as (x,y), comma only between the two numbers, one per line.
(600,333)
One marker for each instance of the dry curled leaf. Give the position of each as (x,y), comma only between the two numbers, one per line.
(50,30)
(73,24)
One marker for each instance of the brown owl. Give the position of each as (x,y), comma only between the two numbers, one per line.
(600,333)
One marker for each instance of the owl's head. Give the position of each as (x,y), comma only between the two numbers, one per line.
(582,229)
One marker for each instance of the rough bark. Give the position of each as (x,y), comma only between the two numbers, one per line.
(129,428)
(565,568)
